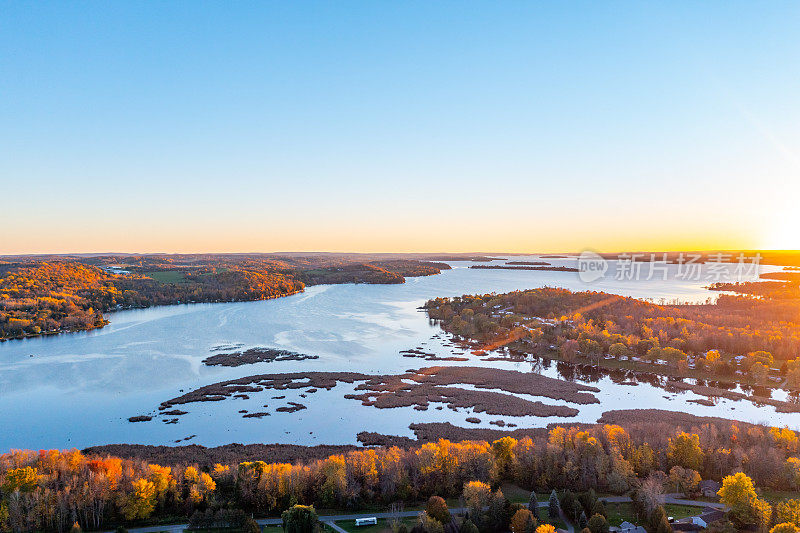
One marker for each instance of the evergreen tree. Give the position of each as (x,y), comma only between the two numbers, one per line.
(533,506)
(533,503)
(553,506)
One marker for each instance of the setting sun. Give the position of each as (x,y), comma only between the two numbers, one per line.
(783,232)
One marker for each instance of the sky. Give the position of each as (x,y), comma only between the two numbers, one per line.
(398,126)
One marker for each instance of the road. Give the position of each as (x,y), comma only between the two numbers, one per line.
(674,499)
(331,519)
(327,519)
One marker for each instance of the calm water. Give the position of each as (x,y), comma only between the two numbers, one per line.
(79,389)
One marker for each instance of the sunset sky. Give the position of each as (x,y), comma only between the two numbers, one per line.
(398,126)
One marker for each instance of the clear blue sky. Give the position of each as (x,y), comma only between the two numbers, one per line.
(407,126)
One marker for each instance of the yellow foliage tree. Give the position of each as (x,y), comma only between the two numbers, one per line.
(20,479)
(141,501)
(785,528)
(737,490)
(684,450)
(788,511)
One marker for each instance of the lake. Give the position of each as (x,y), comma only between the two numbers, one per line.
(79,389)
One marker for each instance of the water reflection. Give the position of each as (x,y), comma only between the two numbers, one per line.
(79,389)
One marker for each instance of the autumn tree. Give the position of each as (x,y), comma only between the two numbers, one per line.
(788,511)
(739,494)
(476,496)
(503,451)
(786,527)
(141,501)
(684,450)
(523,522)
(437,509)
(300,519)
(568,350)
(685,480)
(598,524)
(652,493)
(22,479)
(737,490)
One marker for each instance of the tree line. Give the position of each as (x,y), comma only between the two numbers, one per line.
(51,490)
(722,339)
(53,296)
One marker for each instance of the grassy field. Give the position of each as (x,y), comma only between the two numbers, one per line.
(383,526)
(775,496)
(167,276)
(619,512)
(517,494)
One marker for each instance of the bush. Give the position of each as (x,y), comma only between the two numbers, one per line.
(598,524)
(469,527)
(437,509)
(300,519)
(222,519)
(599,508)
(251,526)
(430,524)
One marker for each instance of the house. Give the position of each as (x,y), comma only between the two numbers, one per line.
(698,522)
(711,514)
(685,526)
(627,527)
(708,488)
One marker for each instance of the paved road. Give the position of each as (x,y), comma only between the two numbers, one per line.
(675,499)
(563,516)
(328,519)
(331,519)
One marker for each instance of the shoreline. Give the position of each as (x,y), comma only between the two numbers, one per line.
(423,432)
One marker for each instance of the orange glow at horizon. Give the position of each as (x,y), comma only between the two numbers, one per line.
(445,234)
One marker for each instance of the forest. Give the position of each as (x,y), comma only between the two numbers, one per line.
(740,336)
(53,490)
(57,295)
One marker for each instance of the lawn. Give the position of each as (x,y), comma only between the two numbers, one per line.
(555,522)
(516,494)
(167,276)
(775,496)
(382,526)
(619,512)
